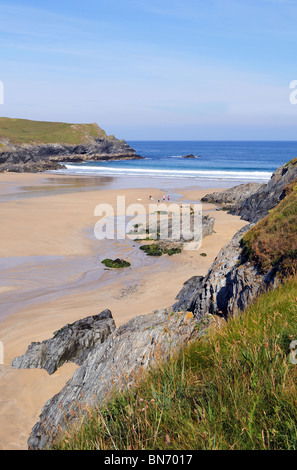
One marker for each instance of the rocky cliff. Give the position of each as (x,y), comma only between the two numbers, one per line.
(257,205)
(72,343)
(46,146)
(230,285)
(252,201)
(233,198)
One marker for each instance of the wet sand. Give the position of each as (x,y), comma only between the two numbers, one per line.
(51,274)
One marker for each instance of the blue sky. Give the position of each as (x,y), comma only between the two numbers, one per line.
(176,70)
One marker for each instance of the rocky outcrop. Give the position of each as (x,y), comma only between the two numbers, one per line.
(34,158)
(229,287)
(167,226)
(233,197)
(114,365)
(253,201)
(257,205)
(187,294)
(72,343)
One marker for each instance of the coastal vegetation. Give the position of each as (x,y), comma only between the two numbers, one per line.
(117,263)
(272,243)
(158,250)
(24,131)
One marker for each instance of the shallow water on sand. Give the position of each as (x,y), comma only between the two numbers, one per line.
(30,279)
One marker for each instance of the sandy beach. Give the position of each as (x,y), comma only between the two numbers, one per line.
(51,274)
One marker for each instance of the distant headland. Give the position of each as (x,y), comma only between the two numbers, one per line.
(34,146)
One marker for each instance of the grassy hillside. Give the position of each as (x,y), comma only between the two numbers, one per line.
(273,241)
(22,131)
(237,390)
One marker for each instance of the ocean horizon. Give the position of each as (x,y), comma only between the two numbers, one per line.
(216,160)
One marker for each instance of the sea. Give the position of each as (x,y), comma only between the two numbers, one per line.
(217,161)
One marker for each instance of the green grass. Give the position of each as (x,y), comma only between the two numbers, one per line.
(272,243)
(23,131)
(235,389)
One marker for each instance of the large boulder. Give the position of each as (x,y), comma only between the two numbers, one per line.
(72,343)
(233,197)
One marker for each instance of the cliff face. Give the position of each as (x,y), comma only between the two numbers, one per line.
(233,282)
(229,286)
(252,201)
(34,158)
(257,205)
(47,145)
(232,198)
(114,365)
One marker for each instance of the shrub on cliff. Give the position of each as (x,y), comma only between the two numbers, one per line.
(273,241)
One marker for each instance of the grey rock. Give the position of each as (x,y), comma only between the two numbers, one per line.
(233,197)
(229,286)
(114,365)
(257,206)
(167,226)
(187,294)
(34,158)
(207,225)
(72,343)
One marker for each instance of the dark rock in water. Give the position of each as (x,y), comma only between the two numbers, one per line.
(191,156)
(258,205)
(72,343)
(115,364)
